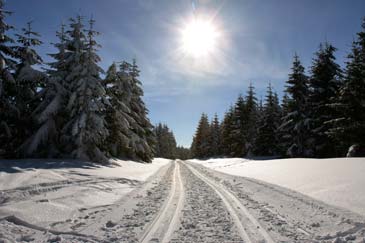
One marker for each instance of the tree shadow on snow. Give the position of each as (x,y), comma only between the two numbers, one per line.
(19,165)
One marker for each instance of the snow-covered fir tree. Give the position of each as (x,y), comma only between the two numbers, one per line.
(50,113)
(118,91)
(324,85)
(349,127)
(295,122)
(266,142)
(200,146)
(29,82)
(143,139)
(9,112)
(84,133)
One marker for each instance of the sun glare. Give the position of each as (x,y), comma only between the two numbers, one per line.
(199,38)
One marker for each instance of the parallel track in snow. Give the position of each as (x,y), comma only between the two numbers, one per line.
(249,228)
(169,213)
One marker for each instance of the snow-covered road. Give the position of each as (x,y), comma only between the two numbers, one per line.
(187,202)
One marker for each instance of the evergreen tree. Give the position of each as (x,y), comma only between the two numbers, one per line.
(9,112)
(295,122)
(118,112)
(200,146)
(143,140)
(250,121)
(266,142)
(348,127)
(238,133)
(166,143)
(85,132)
(215,137)
(324,84)
(183,153)
(50,112)
(226,132)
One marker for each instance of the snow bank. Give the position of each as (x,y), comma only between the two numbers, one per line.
(338,181)
(45,191)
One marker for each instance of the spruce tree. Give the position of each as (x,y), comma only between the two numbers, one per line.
(266,142)
(324,84)
(295,123)
(238,134)
(50,112)
(9,112)
(166,143)
(200,146)
(85,132)
(215,137)
(250,121)
(143,140)
(348,127)
(226,132)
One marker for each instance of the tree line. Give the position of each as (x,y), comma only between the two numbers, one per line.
(67,109)
(322,113)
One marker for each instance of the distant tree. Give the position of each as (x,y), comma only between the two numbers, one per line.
(295,123)
(324,85)
(183,153)
(166,143)
(348,127)
(200,146)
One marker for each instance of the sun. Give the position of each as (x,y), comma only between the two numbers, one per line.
(199,38)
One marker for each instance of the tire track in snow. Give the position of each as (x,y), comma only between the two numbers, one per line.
(174,204)
(250,230)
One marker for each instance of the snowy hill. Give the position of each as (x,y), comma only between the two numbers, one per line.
(339,182)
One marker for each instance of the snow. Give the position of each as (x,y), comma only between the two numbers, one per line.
(61,188)
(339,182)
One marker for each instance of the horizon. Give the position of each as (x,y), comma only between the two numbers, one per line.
(256,45)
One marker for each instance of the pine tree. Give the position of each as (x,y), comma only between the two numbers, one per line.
(238,134)
(9,112)
(324,84)
(143,140)
(85,132)
(295,123)
(200,145)
(266,142)
(348,127)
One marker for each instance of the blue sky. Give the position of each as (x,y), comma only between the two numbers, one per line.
(256,44)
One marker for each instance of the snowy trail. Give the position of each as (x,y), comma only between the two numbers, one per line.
(186,202)
(249,227)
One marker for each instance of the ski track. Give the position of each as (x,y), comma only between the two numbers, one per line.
(249,227)
(173,205)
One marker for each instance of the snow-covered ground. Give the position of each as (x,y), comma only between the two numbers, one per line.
(339,182)
(44,191)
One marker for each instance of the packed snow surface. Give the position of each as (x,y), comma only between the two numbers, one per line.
(339,182)
(60,188)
